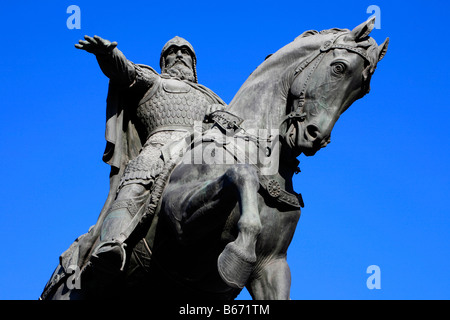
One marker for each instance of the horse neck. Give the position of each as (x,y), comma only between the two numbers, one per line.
(262,99)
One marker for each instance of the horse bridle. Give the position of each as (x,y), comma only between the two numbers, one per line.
(298,103)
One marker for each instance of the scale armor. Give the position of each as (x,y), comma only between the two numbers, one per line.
(167,116)
(175,103)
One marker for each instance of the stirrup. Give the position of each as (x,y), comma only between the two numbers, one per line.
(107,253)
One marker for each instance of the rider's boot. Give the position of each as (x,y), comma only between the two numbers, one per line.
(109,257)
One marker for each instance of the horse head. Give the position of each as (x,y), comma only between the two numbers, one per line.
(303,88)
(328,82)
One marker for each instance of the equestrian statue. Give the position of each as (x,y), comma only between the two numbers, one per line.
(201,201)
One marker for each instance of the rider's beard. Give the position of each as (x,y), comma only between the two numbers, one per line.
(181,70)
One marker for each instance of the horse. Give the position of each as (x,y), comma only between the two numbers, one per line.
(225,222)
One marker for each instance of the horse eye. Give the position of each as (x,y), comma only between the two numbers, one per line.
(338,68)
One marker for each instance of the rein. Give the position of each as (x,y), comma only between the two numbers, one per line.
(230,124)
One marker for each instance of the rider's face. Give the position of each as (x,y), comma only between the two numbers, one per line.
(178,55)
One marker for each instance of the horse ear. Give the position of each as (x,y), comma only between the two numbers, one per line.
(364,29)
(382,49)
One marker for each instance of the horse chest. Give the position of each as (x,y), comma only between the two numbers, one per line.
(278,228)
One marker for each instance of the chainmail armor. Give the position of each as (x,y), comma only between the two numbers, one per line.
(169,108)
(166,115)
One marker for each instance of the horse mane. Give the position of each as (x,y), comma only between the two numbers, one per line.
(315,32)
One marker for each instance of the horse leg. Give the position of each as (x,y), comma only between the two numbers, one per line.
(273,282)
(236,262)
(194,209)
(190,214)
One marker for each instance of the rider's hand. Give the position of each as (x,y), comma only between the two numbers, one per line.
(96,45)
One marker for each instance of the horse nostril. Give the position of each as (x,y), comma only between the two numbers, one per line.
(312,132)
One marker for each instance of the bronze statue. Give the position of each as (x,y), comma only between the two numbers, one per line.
(206,230)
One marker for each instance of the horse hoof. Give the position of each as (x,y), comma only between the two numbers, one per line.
(235,266)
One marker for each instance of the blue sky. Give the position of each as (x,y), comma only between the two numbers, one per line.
(377,195)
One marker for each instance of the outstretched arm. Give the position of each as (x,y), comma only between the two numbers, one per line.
(111,60)
(96,45)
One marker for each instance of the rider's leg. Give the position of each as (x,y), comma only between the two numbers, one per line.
(110,253)
(128,201)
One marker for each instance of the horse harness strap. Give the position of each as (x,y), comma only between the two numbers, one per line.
(274,190)
(226,120)
(316,57)
(298,113)
(230,123)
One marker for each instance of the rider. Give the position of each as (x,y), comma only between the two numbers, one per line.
(168,105)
